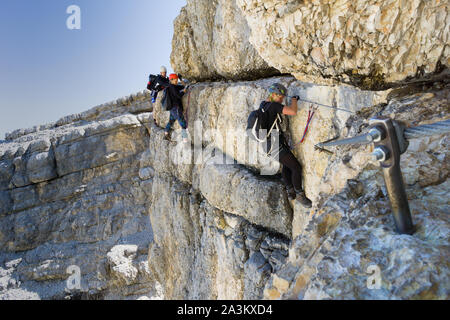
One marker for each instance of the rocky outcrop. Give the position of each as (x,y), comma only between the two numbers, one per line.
(114,198)
(211,42)
(368,43)
(347,248)
(98,205)
(348,251)
(201,252)
(218,112)
(108,177)
(71,196)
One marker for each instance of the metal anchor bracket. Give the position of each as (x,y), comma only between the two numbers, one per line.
(389,144)
(390,139)
(319,147)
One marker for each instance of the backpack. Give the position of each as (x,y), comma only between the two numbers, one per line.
(164,100)
(157,83)
(259,120)
(151,82)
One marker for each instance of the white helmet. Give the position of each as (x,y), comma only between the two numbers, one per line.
(163,69)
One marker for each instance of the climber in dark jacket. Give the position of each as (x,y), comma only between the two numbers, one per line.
(292,170)
(175,93)
(158,83)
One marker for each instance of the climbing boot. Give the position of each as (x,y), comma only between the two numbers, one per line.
(301,197)
(291,193)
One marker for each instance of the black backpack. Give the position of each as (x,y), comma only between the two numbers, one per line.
(157,83)
(151,82)
(259,120)
(165,100)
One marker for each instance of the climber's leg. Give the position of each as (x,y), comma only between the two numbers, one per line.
(286,174)
(169,125)
(172,119)
(178,114)
(154,95)
(287,159)
(292,171)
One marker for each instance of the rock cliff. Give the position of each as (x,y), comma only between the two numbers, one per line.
(211,41)
(367,43)
(146,218)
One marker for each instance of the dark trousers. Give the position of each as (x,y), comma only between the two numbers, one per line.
(154,96)
(292,171)
(176,114)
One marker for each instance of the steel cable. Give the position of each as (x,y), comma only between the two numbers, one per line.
(425,130)
(436,128)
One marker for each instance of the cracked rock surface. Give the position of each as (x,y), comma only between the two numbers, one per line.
(104,192)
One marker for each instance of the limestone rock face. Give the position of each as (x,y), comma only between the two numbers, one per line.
(218,112)
(147,218)
(99,205)
(343,253)
(211,42)
(71,196)
(201,252)
(368,43)
(346,249)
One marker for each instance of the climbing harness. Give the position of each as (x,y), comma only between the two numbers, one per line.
(255,120)
(272,154)
(390,141)
(274,126)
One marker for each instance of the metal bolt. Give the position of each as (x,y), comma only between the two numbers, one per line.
(376,134)
(381,153)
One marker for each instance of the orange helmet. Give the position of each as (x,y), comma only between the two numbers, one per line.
(173,76)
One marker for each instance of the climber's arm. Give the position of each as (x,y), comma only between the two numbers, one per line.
(292,109)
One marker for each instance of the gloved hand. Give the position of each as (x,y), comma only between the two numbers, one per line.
(180,76)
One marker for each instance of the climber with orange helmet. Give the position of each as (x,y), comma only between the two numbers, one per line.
(175,93)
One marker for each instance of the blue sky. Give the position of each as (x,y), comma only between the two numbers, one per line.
(48,71)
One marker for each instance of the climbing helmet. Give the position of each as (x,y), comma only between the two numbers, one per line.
(278,88)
